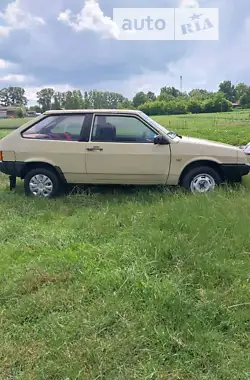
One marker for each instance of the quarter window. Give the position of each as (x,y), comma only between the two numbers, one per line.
(121,129)
(57,127)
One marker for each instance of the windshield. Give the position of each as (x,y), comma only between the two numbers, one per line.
(172,135)
(153,122)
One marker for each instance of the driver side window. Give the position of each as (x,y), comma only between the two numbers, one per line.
(123,129)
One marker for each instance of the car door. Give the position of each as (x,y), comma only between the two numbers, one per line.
(122,150)
(57,140)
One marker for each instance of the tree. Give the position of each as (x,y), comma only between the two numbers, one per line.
(245,99)
(20,112)
(199,94)
(77,100)
(176,107)
(217,104)
(17,96)
(126,104)
(241,89)
(80,99)
(161,107)
(57,103)
(72,100)
(228,90)
(221,104)
(113,99)
(194,106)
(44,98)
(13,96)
(69,100)
(152,108)
(86,102)
(151,96)
(102,99)
(35,108)
(169,92)
(139,98)
(4,97)
(95,99)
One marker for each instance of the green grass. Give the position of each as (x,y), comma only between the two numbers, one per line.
(10,123)
(122,284)
(232,128)
(4,132)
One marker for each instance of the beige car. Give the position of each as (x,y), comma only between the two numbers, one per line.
(113,147)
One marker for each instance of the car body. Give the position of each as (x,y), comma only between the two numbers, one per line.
(113,147)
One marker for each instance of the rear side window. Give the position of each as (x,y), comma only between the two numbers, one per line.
(57,127)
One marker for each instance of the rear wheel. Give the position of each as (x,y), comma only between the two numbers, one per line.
(201,179)
(42,183)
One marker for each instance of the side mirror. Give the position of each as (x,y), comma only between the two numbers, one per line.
(161,140)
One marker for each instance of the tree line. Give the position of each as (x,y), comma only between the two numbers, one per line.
(170,100)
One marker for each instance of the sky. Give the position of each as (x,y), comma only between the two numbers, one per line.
(68,44)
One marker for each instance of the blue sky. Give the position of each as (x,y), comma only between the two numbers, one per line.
(50,43)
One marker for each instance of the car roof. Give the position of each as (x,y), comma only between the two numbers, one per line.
(109,111)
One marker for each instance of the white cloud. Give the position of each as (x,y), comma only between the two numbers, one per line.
(189,4)
(31,92)
(200,3)
(16,18)
(5,64)
(15,78)
(91,17)
(4,30)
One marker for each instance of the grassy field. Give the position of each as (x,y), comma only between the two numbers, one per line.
(232,128)
(122,284)
(11,123)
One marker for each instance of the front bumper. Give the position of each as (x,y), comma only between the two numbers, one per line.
(233,172)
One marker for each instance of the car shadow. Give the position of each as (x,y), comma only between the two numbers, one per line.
(119,189)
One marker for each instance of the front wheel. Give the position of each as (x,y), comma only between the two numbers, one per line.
(42,183)
(201,180)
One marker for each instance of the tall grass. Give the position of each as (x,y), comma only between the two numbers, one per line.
(117,283)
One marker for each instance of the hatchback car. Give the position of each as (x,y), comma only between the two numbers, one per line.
(113,147)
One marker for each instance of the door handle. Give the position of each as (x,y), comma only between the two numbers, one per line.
(95,148)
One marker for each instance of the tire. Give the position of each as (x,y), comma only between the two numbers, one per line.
(202,179)
(41,176)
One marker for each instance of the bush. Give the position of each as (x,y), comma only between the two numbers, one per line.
(161,107)
(194,106)
(20,112)
(180,106)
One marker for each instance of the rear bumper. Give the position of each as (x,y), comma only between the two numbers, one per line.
(12,168)
(233,172)
(18,169)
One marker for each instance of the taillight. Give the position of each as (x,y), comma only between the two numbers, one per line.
(1,156)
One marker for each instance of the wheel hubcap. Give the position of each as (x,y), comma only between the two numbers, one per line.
(41,185)
(202,183)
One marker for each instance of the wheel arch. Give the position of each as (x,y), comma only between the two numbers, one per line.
(194,164)
(42,165)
